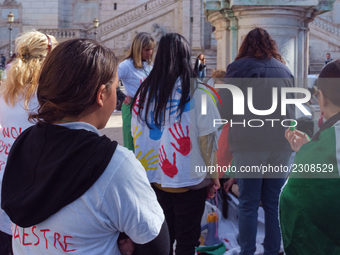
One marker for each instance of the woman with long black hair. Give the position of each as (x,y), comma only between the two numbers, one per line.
(172,138)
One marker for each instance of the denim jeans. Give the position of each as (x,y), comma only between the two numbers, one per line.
(255,189)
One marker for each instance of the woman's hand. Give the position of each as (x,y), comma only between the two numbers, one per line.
(214,186)
(296,139)
(126,246)
(127,100)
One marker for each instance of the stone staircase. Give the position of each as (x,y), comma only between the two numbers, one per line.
(118,31)
(324,30)
(123,22)
(210,58)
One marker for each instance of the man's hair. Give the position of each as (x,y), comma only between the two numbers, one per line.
(70,78)
(259,44)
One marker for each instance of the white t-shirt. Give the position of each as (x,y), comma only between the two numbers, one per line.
(171,154)
(131,76)
(13,121)
(121,200)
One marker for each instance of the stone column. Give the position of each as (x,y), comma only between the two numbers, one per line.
(185,18)
(285,20)
(196,25)
(233,33)
(222,36)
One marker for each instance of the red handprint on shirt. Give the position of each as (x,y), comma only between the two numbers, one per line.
(183,141)
(168,168)
(136,106)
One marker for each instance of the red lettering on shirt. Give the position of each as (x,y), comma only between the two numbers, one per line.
(23,237)
(34,227)
(8,147)
(65,243)
(44,231)
(60,242)
(5,134)
(1,164)
(15,133)
(11,132)
(56,238)
(2,145)
(16,233)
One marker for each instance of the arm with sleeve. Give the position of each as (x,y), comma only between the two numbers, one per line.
(133,206)
(208,134)
(122,70)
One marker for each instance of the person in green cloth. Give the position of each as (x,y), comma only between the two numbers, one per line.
(132,71)
(309,202)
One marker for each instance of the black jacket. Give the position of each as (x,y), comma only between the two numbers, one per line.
(262,76)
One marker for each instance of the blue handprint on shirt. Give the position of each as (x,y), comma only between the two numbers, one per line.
(155,132)
(174,106)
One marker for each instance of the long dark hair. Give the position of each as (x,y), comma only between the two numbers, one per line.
(259,44)
(70,78)
(173,61)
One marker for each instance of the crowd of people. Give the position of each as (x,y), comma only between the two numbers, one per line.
(67,189)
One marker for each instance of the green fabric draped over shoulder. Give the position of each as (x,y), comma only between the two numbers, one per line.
(310,200)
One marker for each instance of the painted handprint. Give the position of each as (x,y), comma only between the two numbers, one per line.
(136,106)
(155,132)
(173,106)
(182,139)
(168,168)
(148,162)
(135,135)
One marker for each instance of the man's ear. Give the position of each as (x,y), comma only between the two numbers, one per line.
(323,102)
(101,94)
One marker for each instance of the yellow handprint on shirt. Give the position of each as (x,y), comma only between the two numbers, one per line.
(135,135)
(147,162)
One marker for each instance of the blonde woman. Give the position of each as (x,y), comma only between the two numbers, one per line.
(17,99)
(132,71)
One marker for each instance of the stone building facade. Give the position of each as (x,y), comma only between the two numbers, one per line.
(119,20)
(303,37)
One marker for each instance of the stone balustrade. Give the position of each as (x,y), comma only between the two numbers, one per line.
(65,34)
(130,16)
(59,34)
(325,24)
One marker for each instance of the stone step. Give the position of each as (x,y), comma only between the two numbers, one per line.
(315,68)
